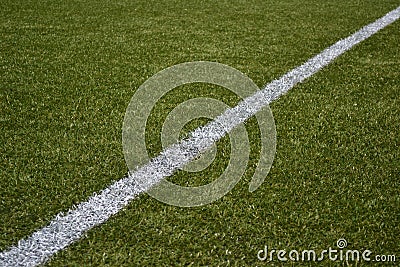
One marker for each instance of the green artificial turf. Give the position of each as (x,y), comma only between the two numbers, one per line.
(69,69)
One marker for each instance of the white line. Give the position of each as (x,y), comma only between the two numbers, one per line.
(68,228)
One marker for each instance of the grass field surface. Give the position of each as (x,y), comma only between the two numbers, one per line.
(69,69)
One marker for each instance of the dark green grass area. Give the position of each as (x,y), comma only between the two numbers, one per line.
(68,71)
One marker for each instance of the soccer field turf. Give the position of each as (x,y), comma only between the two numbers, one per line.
(69,70)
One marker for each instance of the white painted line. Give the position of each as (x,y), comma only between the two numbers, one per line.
(68,228)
